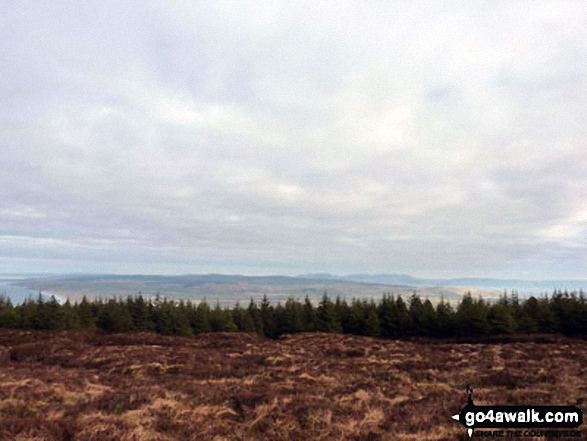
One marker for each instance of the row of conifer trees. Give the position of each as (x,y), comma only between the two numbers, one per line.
(391,316)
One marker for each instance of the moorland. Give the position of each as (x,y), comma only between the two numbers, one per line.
(88,385)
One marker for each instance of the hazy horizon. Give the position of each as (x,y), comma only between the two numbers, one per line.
(313,275)
(269,137)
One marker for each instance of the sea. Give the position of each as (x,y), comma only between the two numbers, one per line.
(18,294)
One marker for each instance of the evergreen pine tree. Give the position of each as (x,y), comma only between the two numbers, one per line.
(501,320)
(268,318)
(8,315)
(445,318)
(416,309)
(140,313)
(309,318)
(388,316)
(242,319)
(405,324)
(326,315)
(372,326)
(114,317)
(255,314)
(85,313)
(292,317)
(428,322)
(69,316)
(200,318)
(472,316)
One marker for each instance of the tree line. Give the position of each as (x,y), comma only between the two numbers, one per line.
(391,316)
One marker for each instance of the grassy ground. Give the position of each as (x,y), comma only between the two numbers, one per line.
(85,386)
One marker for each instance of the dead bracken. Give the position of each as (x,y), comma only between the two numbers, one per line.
(236,386)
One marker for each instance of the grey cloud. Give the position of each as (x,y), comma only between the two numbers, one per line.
(270,136)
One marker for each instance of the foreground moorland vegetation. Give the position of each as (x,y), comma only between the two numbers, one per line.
(563,312)
(92,386)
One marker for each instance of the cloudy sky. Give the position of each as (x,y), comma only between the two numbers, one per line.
(259,137)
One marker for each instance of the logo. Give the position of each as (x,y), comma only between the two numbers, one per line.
(531,417)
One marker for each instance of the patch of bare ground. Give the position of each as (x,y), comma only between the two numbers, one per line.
(86,386)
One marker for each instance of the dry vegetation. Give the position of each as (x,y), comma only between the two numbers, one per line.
(87,386)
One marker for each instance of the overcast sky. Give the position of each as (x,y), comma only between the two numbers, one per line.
(259,137)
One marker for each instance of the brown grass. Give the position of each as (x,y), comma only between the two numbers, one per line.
(84,386)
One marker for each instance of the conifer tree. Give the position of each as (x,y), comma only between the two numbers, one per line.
(268,318)
(242,319)
(388,316)
(228,324)
(255,314)
(371,326)
(472,316)
(445,317)
(280,321)
(309,319)
(567,308)
(416,309)
(217,319)
(8,315)
(69,316)
(114,317)
(85,313)
(405,324)
(326,315)
(429,321)
(27,312)
(141,314)
(501,319)
(292,316)
(200,318)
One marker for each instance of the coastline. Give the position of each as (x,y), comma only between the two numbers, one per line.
(18,293)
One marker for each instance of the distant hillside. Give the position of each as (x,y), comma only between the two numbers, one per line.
(524,286)
(227,289)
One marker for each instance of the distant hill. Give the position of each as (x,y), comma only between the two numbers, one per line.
(228,289)
(530,286)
